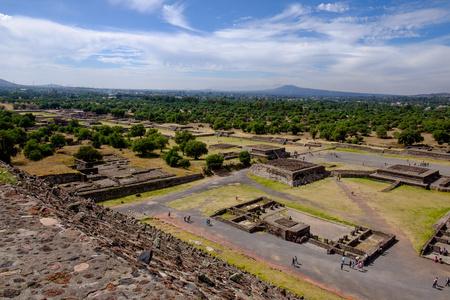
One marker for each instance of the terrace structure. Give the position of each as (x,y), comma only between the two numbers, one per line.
(269,152)
(409,175)
(288,171)
(263,214)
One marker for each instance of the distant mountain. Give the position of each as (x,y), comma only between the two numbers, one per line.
(4,83)
(292,90)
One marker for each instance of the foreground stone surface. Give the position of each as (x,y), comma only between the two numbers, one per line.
(57,246)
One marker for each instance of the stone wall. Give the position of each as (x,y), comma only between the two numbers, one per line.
(351,173)
(64,178)
(428,154)
(122,191)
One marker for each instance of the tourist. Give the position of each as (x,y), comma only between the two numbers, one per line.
(350,264)
(435,282)
(295,260)
(168,214)
(447,282)
(189,219)
(435,259)
(342,265)
(184,218)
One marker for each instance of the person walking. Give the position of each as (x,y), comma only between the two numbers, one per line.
(295,260)
(435,282)
(447,282)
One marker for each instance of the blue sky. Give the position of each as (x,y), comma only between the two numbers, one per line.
(373,46)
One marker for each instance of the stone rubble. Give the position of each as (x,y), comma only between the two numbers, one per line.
(54,245)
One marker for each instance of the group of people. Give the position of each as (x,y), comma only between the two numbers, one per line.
(358,263)
(435,282)
(187,219)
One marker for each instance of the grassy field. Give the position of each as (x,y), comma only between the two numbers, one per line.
(210,201)
(411,210)
(325,193)
(248,264)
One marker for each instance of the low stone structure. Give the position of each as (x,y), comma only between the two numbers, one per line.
(409,175)
(268,152)
(268,215)
(288,171)
(438,245)
(115,178)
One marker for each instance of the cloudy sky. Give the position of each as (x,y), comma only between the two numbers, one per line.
(373,46)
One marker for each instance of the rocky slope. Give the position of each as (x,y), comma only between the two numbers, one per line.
(54,245)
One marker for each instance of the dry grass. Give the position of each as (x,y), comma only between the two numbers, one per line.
(411,210)
(248,264)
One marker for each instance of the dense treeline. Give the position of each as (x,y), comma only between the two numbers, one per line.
(344,119)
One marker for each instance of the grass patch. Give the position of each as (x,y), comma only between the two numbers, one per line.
(6,177)
(412,210)
(146,196)
(248,264)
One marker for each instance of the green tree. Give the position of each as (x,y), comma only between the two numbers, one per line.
(184,163)
(195,149)
(183,136)
(441,136)
(83,134)
(244,158)
(172,157)
(381,132)
(144,146)
(408,137)
(89,154)
(117,141)
(7,146)
(214,161)
(57,141)
(137,130)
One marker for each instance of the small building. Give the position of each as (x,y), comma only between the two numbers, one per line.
(289,171)
(268,152)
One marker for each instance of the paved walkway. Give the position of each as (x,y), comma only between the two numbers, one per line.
(288,270)
(399,274)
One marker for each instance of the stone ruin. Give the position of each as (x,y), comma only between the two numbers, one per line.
(414,176)
(114,178)
(288,171)
(56,245)
(269,152)
(264,214)
(439,241)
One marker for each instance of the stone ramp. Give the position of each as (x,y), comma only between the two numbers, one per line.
(392,186)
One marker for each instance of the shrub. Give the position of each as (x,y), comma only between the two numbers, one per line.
(214,161)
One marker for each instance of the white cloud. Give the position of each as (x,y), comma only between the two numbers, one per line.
(333,7)
(290,48)
(173,14)
(143,6)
